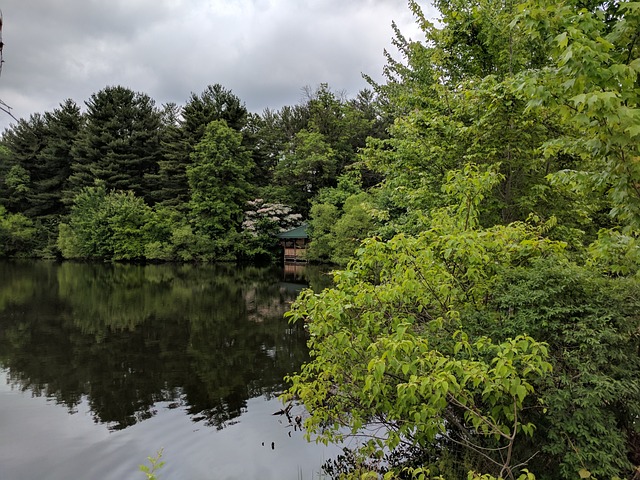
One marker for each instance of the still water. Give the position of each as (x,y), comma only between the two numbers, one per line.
(101,366)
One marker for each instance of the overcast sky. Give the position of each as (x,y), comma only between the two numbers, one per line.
(265,51)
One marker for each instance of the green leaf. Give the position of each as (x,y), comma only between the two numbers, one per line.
(633,130)
(521,392)
(562,40)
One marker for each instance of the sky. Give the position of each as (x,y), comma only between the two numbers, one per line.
(264,51)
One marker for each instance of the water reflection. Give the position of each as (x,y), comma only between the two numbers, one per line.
(124,337)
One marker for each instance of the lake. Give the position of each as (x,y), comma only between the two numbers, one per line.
(103,365)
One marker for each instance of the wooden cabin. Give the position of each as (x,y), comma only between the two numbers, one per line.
(295,243)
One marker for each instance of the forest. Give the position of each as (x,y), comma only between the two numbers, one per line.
(483,202)
(126,180)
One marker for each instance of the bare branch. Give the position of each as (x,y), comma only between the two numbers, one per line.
(7,109)
(3,106)
(1,45)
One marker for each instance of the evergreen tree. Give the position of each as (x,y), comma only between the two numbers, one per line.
(268,136)
(62,128)
(36,158)
(119,143)
(158,180)
(345,124)
(24,142)
(181,137)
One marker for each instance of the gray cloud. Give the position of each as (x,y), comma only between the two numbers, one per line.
(265,51)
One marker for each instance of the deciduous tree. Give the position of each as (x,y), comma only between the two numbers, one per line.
(218,181)
(392,357)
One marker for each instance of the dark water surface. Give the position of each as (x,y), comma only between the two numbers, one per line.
(103,365)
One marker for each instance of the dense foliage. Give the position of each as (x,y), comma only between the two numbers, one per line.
(472,348)
(485,200)
(491,323)
(128,181)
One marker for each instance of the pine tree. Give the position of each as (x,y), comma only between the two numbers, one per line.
(54,161)
(119,143)
(181,137)
(24,142)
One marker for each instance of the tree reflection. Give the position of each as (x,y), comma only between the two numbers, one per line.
(126,337)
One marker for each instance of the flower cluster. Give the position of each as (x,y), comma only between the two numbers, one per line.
(263,216)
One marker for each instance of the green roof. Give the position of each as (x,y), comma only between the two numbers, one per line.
(298,232)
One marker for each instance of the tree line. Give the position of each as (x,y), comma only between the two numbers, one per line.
(125,180)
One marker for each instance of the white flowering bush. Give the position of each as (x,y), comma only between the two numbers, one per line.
(262,223)
(263,216)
